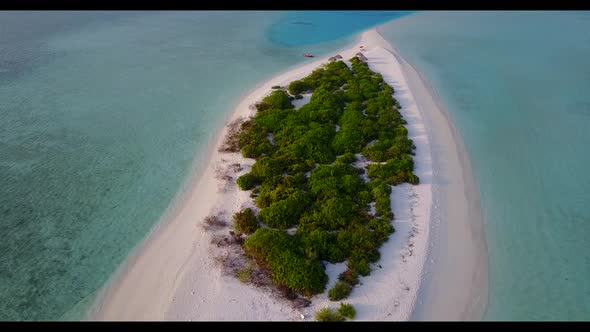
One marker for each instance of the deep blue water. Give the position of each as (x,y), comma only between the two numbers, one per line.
(101,118)
(298,28)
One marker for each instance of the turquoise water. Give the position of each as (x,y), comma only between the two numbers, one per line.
(101,118)
(103,114)
(516,86)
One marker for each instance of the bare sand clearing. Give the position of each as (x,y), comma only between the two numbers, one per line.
(172,275)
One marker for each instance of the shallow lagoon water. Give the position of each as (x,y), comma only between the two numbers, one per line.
(515,86)
(103,115)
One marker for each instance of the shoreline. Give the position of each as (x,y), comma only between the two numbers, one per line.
(198,177)
(171,276)
(461,232)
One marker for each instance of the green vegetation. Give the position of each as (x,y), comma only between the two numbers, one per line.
(332,315)
(246,181)
(347,310)
(339,291)
(285,213)
(303,177)
(284,256)
(278,99)
(328,315)
(395,170)
(245,222)
(349,276)
(298,87)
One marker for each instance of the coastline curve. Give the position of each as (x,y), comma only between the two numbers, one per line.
(457,232)
(170,276)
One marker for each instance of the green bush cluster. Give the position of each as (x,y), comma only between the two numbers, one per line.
(245,222)
(266,168)
(355,129)
(329,315)
(298,87)
(285,213)
(253,140)
(334,75)
(304,177)
(278,99)
(347,310)
(332,315)
(286,260)
(347,158)
(395,170)
(340,291)
(246,181)
(381,193)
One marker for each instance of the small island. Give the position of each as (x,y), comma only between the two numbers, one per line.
(321,180)
(290,216)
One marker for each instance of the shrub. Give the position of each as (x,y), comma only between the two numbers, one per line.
(336,212)
(270,193)
(245,222)
(346,158)
(361,266)
(276,87)
(322,245)
(246,181)
(326,181)
(324,98)
(340,291)
(413,179)
(381,193)
(347,310)
(285,213)
(385,149)
(394,171)
(284,256)
(350,277)
(381,228)
(328,315)
(273,120)
(253,150)
(266,167)
(364,197)
(277,99)
(350,137)
(298,87)
(311,143)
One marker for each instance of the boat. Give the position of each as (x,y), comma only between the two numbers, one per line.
(307,55)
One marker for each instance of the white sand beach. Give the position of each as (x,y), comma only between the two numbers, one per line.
(455,275)
(172,275)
